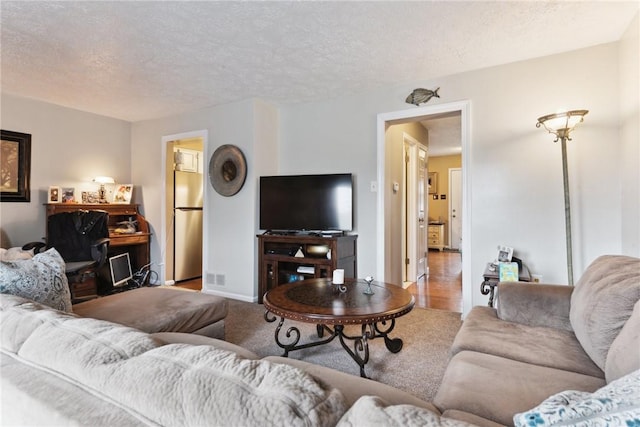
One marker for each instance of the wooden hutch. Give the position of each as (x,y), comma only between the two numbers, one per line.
(136,244)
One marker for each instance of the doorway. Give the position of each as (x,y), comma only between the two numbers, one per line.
(385,240)
(184,207)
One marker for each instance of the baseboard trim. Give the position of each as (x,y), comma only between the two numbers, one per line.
(231,295)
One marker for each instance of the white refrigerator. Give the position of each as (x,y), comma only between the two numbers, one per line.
(187,229)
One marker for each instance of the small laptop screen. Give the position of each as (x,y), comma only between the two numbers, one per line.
(120,266)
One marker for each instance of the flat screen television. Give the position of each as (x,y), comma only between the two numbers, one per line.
(120,267)
(306,202)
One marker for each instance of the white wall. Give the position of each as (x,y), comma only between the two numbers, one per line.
(68,149)
(516,174)
(629,91)
(231,222)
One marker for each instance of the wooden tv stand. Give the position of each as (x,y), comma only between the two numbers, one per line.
(277,263)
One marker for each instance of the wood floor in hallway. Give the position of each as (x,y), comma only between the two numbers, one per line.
(442,289)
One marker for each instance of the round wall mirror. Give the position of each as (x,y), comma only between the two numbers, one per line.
(227,170)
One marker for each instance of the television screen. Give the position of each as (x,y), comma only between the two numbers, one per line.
(306,202)
(120,266)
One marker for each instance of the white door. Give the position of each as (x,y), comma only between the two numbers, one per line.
(415,205)
(422,206)
(455,208)
(409,212)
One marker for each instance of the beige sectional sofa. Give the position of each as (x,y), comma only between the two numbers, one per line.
(547,354)
(545,339)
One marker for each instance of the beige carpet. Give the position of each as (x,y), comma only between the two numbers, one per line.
(418,368)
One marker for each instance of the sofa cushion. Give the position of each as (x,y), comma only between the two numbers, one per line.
(618,403)
(173,384)
(373,411)
(40,278)
(36,397)
(603,301)
(483,332)
(182,338)
(496,388)
(535,304)
(470,418)
(622,359)
(352,387)
(157,309)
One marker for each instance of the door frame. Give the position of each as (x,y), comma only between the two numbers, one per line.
(163,234)
(384,120)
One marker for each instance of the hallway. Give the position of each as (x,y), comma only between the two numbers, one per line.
(442,289)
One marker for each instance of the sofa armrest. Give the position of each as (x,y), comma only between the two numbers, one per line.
(535,304)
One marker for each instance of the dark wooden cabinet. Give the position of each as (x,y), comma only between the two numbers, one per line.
(136,244)
(288,258)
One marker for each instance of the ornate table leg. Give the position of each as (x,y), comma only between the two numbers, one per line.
(487,288)
(293,342)
(360,353)
(394,345)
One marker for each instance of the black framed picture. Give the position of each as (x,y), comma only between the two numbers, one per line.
(15,166)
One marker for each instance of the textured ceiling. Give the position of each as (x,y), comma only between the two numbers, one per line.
(141,60)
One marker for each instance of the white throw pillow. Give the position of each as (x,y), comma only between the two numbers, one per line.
(40,279)
(616,404)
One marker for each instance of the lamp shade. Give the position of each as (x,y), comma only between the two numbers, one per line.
(104,180)
(561,124)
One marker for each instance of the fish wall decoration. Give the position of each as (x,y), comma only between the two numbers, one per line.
(421,96)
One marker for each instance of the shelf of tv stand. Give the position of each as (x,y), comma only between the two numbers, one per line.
(280,268)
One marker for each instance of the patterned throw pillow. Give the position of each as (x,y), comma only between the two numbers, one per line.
(40,279)
(616,404)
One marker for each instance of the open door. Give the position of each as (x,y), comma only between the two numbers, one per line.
(415,208)
(422,251)
(455,208)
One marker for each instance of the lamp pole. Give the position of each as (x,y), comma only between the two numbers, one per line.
(567,209)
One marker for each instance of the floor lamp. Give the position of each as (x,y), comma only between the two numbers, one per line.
(561,125)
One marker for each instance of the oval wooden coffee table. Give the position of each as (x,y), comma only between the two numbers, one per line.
(323,303)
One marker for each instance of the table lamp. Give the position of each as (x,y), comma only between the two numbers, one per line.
(102,180)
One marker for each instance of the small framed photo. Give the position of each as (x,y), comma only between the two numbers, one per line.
(54,195)
(122,193)
(90,197)
(433,182)
(505,253)
(68,195)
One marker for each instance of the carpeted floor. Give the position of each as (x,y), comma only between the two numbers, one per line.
(418,368)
